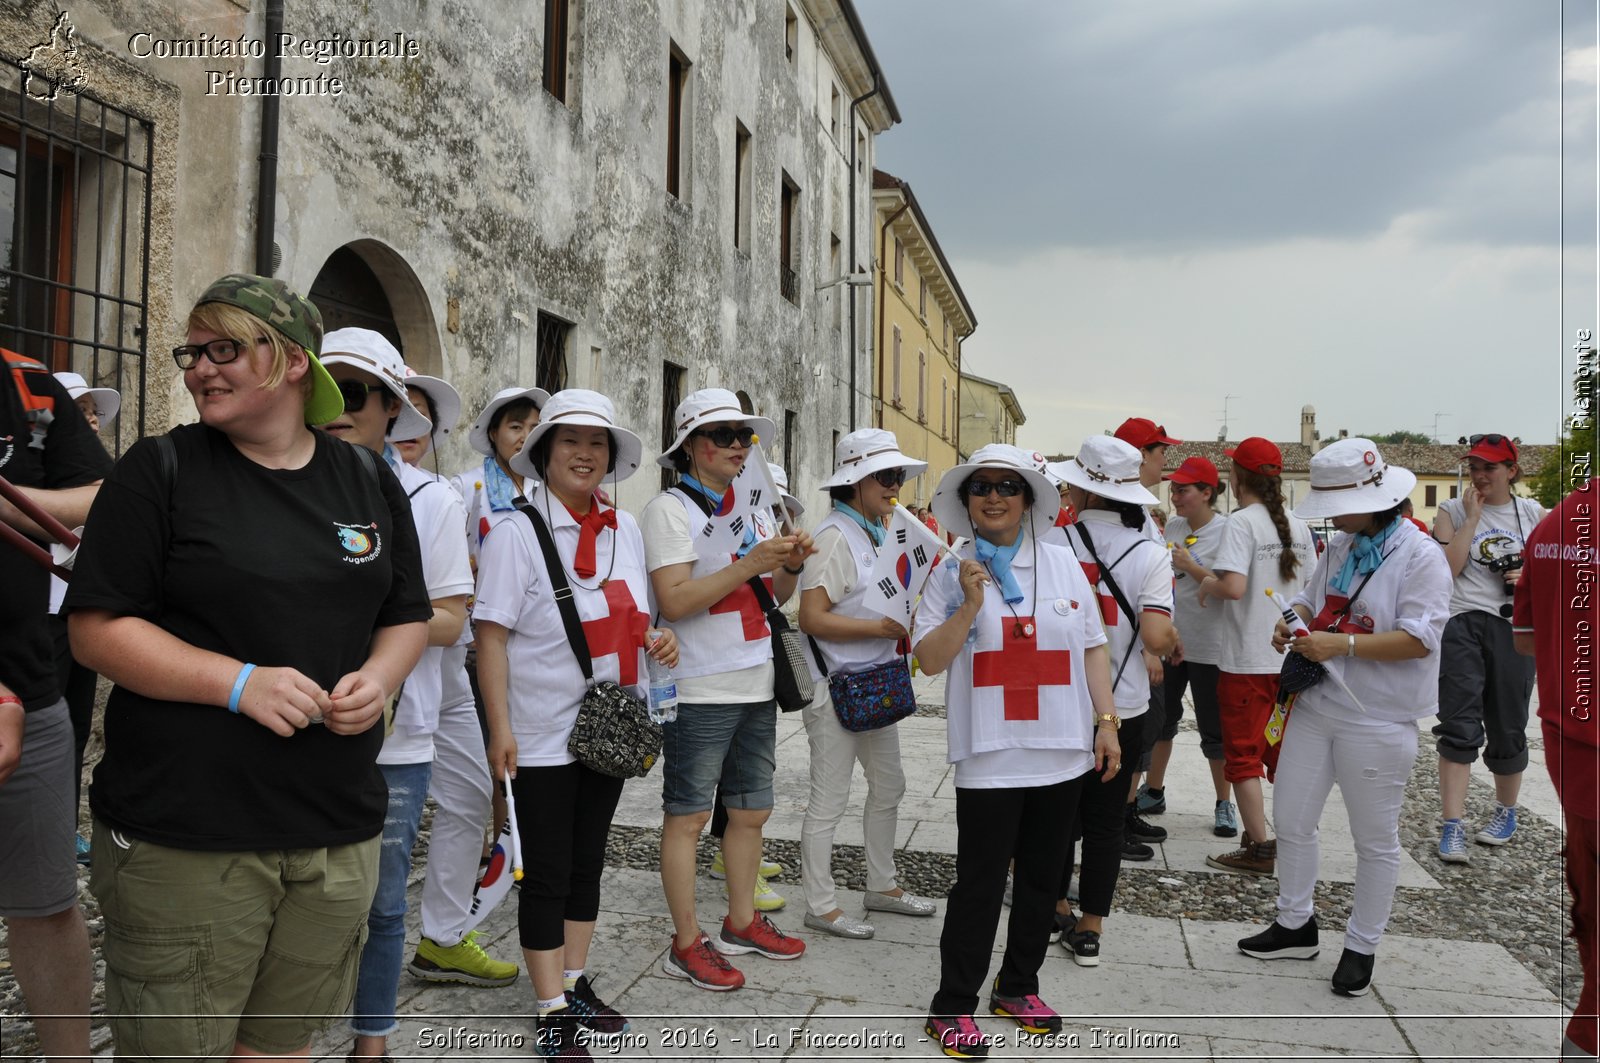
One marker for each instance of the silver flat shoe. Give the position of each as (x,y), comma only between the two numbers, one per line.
(842,927)
(905,904)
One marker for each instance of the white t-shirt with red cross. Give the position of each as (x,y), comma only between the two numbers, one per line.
(1017,705)
(1144,575)
(1250,544)
(514,591)
(725,652)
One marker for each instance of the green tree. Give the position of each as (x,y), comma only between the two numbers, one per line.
(1555,479)
(1400,436)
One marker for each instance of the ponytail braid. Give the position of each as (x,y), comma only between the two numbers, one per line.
(1269,489)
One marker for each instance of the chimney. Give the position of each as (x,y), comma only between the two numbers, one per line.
(1308,426)
(1344,433)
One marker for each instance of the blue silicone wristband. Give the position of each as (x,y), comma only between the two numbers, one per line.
(238,687)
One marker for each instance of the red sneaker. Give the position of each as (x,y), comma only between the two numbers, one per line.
(703,966)
(759,937)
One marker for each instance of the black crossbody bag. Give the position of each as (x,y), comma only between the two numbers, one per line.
(1116,592)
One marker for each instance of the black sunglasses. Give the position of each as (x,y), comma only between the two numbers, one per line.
(890,477)
(221,352)
(355,394)
(1494,439)
(1003,488)
(724,436)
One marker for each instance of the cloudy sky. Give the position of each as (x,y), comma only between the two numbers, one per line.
(1356,204)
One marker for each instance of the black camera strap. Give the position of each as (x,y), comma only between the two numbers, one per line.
(1116,591)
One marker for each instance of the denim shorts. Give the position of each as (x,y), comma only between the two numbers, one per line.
(733,744)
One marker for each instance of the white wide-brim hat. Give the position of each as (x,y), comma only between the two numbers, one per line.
(106,400)
(711,406)
(781,478)
(1108,467)
(478,434)
(446,399)
(950,507)
(1350,476)
(1057,472)
(374,355)
(866,451)
(577,406)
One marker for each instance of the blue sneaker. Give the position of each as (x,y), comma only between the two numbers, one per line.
(83,851)
(1150,802)
(1453,843)
(1501,826)
(1225,824)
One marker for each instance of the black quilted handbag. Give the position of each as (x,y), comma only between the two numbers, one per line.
(792,685)
(614,734)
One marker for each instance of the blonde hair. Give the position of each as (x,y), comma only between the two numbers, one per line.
(245,328)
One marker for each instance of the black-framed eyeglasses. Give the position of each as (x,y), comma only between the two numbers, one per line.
(221,352)
(1003,488)
(356,393)
(723,436)
(890,477)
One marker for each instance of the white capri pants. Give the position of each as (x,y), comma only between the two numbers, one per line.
(460,790)
(834,752)
(1371,762)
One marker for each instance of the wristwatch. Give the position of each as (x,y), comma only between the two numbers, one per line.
(1109,717)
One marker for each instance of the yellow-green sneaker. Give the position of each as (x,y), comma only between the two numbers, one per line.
(463,962)
(768,869)
(767,898)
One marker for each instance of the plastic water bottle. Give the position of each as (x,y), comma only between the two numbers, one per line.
(663,700)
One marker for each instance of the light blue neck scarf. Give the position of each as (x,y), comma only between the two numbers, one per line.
(999,559)
(1366,554)
(499,486)
(875,532)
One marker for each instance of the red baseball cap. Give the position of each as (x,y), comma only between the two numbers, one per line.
(1258,455)
(1492,447)
(1195,470)
(1140,432)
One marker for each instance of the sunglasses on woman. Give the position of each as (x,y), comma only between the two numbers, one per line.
(221,352)
(724,436)
(890,477)
(355,394)
(1003,488)
(1494,439)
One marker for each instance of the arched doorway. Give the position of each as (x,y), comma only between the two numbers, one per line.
(366,284)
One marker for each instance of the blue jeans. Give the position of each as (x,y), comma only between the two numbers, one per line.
(378,983)
(733,744)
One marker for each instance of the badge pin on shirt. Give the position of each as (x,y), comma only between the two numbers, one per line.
(1062,608)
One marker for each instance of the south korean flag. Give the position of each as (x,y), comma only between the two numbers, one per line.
(909,553)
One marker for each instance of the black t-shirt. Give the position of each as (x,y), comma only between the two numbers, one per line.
(276,567)
(72,457)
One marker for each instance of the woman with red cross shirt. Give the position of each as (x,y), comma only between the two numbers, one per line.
(1029,714)
(533,685)
(1132,579)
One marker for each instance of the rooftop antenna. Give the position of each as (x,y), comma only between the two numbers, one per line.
(1436,417)
(1222,433)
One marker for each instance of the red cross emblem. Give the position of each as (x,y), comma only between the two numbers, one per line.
(1108,604)
(1021,668)
(742,600)
(620,631)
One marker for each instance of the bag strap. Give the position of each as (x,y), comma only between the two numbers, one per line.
(557,574)
(1116,592)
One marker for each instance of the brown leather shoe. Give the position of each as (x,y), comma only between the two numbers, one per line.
(1251,858)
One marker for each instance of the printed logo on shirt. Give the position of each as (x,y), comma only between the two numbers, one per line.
(7,447)
(1491,544)
(360,542)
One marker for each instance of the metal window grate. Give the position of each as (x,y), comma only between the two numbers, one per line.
(75,195)
(671,394)
(551,370)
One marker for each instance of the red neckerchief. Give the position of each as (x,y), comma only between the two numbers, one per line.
(589,525)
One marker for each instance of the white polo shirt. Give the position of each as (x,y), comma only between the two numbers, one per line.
(1250,544)
(1144,576)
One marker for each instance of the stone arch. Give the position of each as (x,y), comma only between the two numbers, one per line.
(368,284)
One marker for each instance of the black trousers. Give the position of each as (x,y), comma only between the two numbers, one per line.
(1102,810)
(77,685)
(1027,825)
(564,815)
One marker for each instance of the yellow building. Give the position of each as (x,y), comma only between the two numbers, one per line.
(920,319)
(990,413)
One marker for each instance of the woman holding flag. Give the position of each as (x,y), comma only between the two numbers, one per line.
(849,637)
(533,686)
(1376,607)
(1029,715)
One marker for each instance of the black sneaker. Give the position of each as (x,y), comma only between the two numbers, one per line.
(1136,852)
(1277,942)
(1084,946)
(1353,976)
(1064,925)
(594,1014)
(558,1035)
(1140,829)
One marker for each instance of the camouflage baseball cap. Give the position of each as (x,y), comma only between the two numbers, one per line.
(292,314)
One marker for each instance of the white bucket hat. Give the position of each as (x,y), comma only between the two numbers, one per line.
(781,478)
(478,435)
(1057,472)
(866,451)
(1350,476)
(446,399)
(1108,467)
(576,406)
(950,508)
(369,352)
(711,406)
(106,400)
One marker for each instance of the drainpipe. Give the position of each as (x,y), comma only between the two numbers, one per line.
(883,246)
(267,160)
(850,267)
